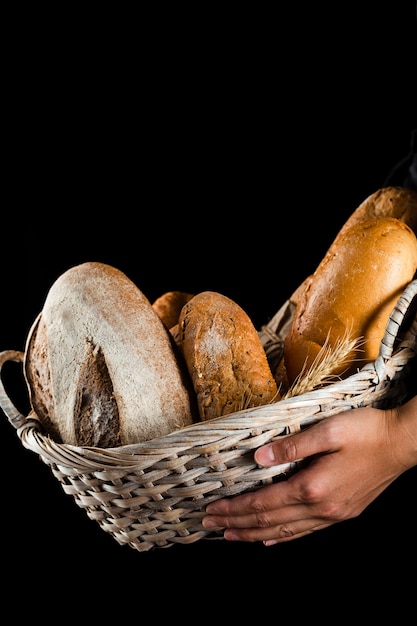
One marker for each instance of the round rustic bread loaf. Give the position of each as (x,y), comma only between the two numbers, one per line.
(351,295)
(225,357)
(101,367)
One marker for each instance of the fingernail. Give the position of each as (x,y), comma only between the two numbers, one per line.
(270,542)
(230,535)
(265,455)
(208,523)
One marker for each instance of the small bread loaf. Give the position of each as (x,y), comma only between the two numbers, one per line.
(351,295)
(101,367)
(225,357)
(169,305)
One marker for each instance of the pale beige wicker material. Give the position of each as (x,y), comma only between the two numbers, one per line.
(153,494)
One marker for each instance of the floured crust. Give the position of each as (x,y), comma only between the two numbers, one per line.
(101,367)
(224,355)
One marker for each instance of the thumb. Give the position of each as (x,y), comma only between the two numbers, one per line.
(287,449)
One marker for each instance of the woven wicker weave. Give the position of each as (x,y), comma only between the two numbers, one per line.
(153,494)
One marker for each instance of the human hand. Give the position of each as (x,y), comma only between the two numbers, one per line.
(352,457)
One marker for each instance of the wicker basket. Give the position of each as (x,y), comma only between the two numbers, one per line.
(153,494)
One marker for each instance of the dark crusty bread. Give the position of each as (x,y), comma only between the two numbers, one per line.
(101,367)
(352,294)
(225,357)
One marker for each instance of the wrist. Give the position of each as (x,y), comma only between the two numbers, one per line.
(407,418)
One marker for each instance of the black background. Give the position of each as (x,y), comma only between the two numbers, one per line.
(226,157)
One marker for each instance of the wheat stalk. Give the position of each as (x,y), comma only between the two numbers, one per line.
(318,374)
(326,361)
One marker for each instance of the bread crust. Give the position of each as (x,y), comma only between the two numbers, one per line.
(398,202)
(352,293)
(225,357)
(169,305)
(101,367)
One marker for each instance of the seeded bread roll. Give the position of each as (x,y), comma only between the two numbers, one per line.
(101,367)
(225,357)
(352,294)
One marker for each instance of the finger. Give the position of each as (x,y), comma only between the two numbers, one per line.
(280,533)
(319,438)
(251,502)
(262,519)
(273,505)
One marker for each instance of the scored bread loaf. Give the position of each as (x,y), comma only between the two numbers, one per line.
(351,295)
(101,367)
(225,357)
(398,202)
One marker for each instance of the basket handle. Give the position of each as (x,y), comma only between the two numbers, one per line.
(400,313)
(14,416)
